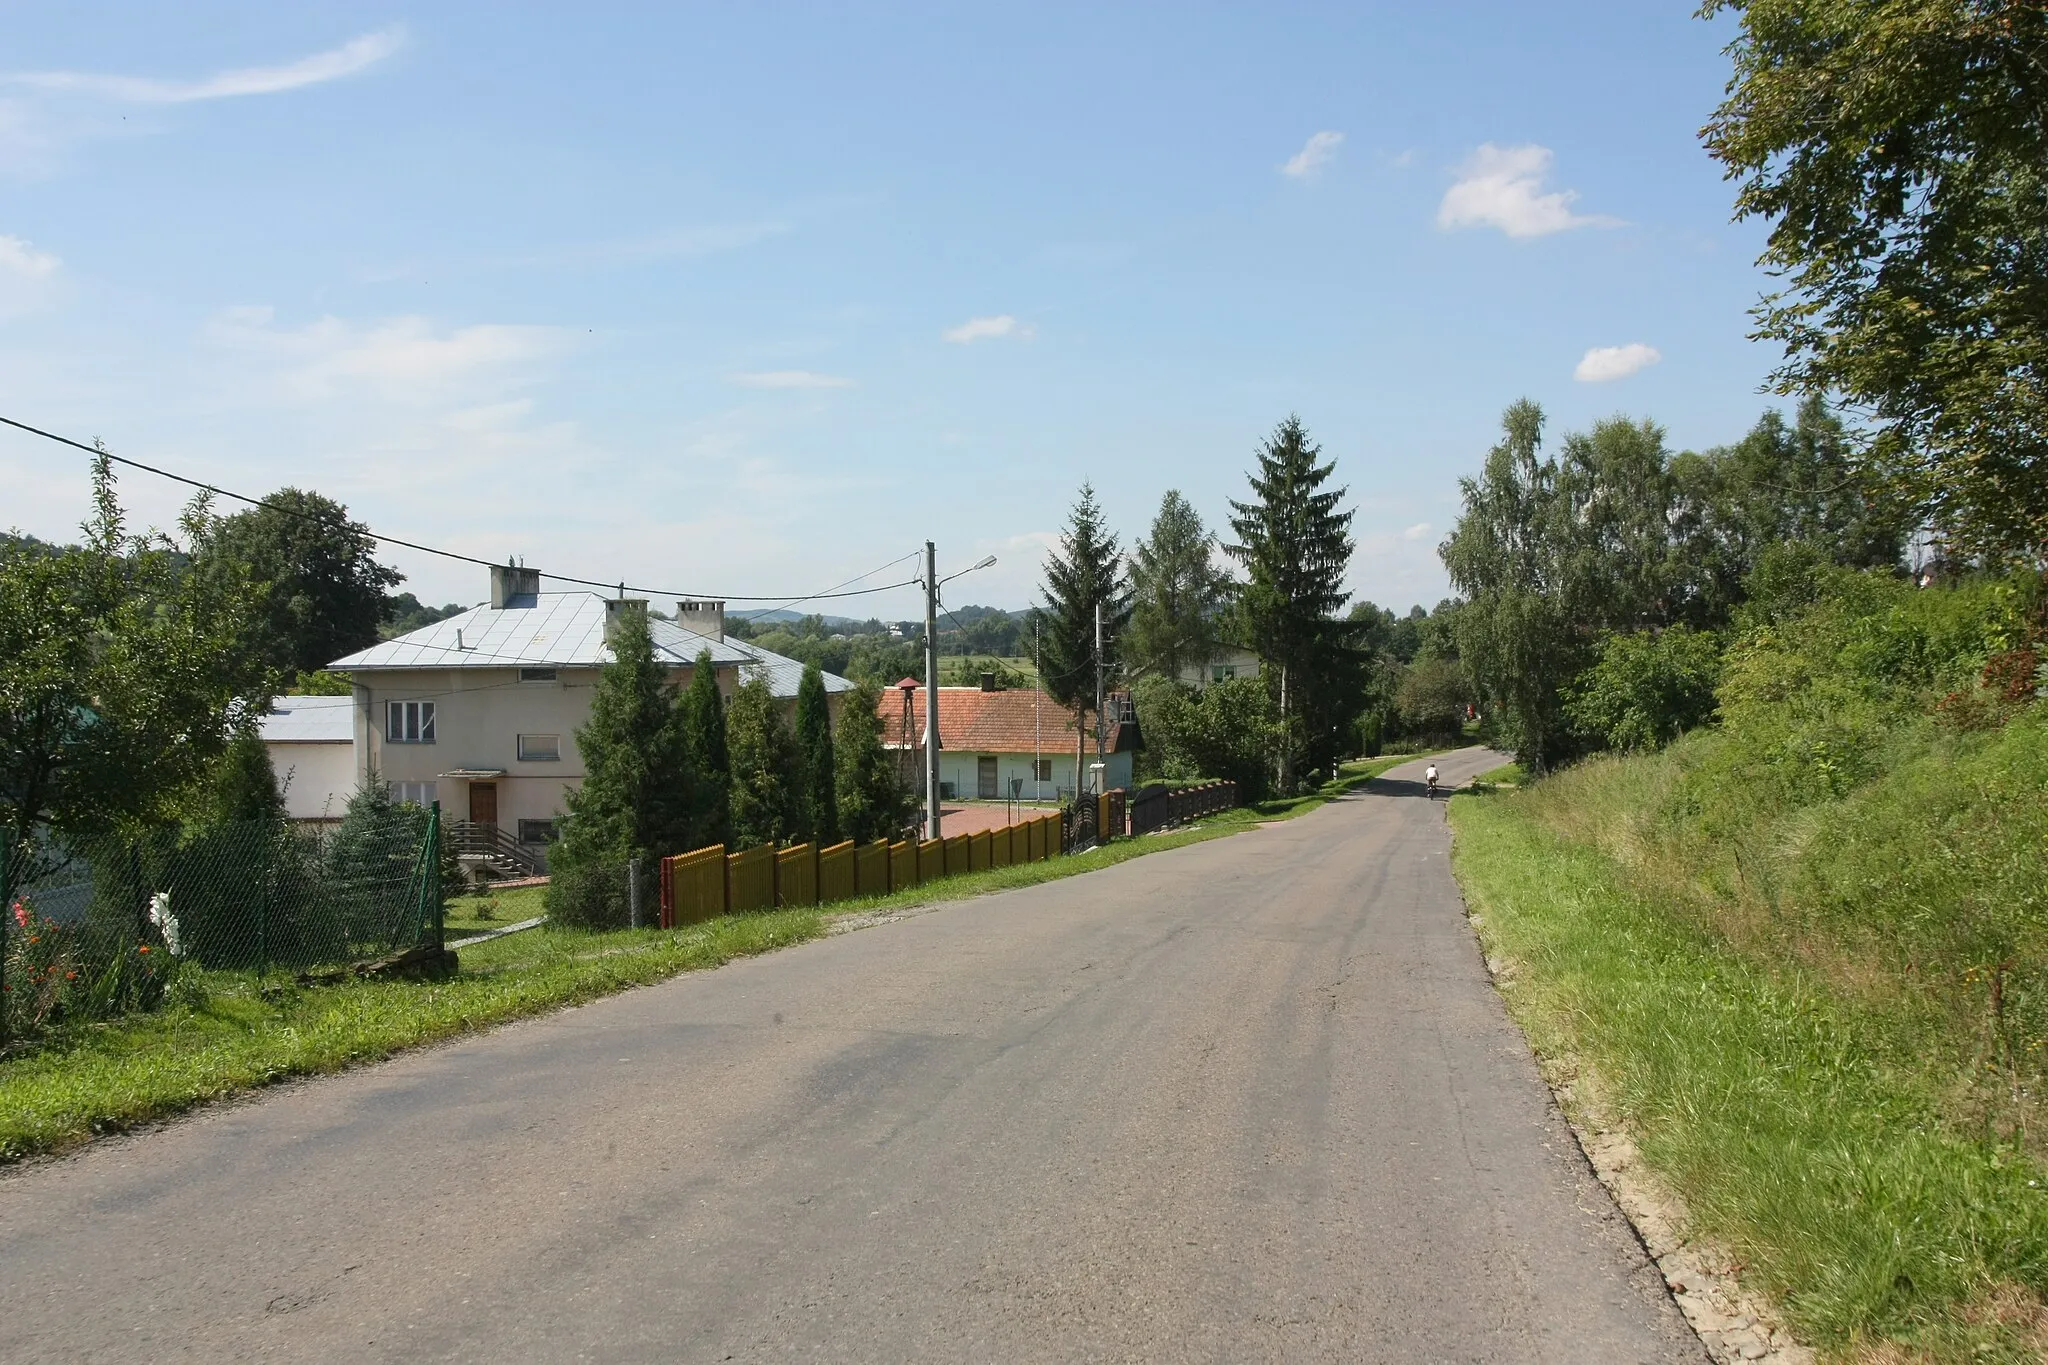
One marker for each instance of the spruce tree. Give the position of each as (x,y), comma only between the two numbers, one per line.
(872,802)
(764,779)
(634,801)
(1085,571)
(818,808)
(1296,546)
(701,714)
(1178,594)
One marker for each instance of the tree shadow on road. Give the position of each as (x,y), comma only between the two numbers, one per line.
(1407,787)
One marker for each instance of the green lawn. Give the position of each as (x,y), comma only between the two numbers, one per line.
(1506,775)
(1803,1127)
(480,914)
(228,1035)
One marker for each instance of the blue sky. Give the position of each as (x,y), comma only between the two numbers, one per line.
(753,300)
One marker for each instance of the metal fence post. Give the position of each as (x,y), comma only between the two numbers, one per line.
(431,882)
(6,913)
(633,892)
(139,892)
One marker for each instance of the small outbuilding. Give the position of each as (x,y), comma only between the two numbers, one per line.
(312,750)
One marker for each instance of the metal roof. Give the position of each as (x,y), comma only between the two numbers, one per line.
(560,630)
(310,720)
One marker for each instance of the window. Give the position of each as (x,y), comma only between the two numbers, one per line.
(1222,672)
(538,832)
(540,748)
(409,722)
(536,675)
(417,793)
(1044,773)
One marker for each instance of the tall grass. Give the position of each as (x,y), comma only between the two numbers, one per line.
(1802,1130)
(1805,953)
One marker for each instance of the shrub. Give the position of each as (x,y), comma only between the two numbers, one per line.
(1229,730)
(1646,688)
(1432,696)
(590,894)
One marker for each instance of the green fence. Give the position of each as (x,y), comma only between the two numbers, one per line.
(101,928)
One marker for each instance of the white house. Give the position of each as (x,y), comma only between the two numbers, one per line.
(312,749)
(1232,662)
(479,711)
(998,744)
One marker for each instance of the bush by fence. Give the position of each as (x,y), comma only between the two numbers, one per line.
(106,927)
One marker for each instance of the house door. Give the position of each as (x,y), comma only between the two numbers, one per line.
(985,777)
(483,803)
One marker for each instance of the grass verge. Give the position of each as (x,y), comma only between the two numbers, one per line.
(1802,1136)
(229,1036)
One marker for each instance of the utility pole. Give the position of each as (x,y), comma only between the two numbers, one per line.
(1101,730)
(1037,696)
(931,692)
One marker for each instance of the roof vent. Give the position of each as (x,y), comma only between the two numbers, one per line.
(706,618)
(514,585)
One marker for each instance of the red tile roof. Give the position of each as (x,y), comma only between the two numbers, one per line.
(976,722)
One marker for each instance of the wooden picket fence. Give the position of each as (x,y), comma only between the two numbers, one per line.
(710,881)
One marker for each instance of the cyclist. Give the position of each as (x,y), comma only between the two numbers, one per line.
(1429,776)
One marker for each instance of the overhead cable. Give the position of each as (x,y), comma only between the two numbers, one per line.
(621,588)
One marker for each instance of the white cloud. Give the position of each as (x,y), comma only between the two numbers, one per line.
(1603,363)
(404,358)
(792,379)
(982,329)
(355,55)
(19,258)
(1418,531)
(1315,154)
(1502,187)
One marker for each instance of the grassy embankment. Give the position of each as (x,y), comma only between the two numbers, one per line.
(1804,960)
(223,1033)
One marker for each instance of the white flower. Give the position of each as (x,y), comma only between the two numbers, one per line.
(167,924)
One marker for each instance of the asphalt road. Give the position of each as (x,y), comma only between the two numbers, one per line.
(1250,1100)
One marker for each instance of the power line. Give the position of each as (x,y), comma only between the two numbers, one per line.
(757,615)
(621,587)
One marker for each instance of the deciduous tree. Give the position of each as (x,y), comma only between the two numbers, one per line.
(1899,153)
(324,589)
(1512,556)
(121,679)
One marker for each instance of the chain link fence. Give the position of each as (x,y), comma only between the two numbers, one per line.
(105,927)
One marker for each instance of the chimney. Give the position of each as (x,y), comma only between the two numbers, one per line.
(615,607)
(705,618)
(988,680)
(513,586)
